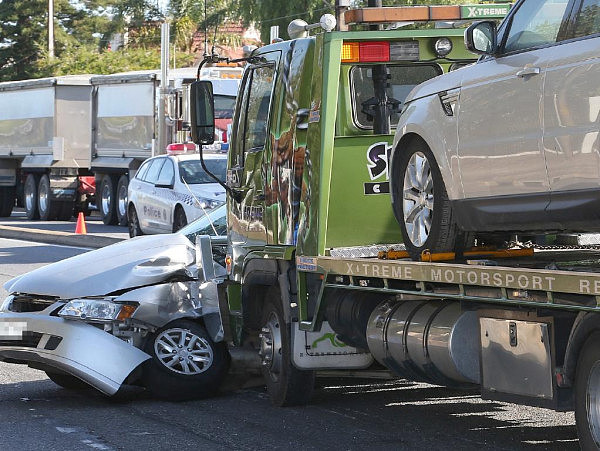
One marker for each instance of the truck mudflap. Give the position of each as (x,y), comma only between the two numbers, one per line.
(77,348)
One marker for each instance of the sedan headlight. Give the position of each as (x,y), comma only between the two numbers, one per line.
(96,310)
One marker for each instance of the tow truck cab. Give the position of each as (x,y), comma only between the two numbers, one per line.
(307,156)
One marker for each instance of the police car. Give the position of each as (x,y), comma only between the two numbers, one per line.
(171,190)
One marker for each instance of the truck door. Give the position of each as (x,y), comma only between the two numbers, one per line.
(250,140)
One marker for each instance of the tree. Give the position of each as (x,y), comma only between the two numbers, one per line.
(21,36)
(267,13)
(82,28)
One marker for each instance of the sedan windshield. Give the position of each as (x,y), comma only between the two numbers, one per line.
(191,172)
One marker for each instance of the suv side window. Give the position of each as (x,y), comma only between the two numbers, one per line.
(151,175)
(587,22)
(535,24)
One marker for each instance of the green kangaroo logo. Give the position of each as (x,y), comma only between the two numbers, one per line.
(332,339)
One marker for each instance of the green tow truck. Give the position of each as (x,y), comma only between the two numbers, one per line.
(309,285)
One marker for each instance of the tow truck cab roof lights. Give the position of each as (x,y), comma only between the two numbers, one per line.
(425,13)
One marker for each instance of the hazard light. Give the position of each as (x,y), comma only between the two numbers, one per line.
(179,148)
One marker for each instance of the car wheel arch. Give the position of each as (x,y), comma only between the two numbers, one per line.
(449,177)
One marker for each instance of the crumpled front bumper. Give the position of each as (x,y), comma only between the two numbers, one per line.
(77,348)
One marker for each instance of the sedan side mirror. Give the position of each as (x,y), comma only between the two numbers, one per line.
(480,38)
(202,112)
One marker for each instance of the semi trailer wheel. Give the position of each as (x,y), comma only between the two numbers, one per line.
(121,206)
(185,364)
(587,394)
(106,200)
(48,208)
(286,384)
(30,195)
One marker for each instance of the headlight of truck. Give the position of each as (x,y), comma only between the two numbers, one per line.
(5,306)
(96,310)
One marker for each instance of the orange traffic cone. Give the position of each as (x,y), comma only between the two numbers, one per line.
(80,227)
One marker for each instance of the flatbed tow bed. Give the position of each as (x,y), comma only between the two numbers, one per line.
(563,278)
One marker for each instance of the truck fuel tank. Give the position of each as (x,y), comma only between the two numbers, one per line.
(426,340)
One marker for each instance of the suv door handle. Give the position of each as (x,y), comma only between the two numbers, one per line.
(526,71)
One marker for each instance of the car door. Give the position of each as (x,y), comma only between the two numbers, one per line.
(572,120)
(247,174)
(149,212)
(500,152)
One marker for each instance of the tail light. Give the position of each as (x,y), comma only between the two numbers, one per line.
(380,51)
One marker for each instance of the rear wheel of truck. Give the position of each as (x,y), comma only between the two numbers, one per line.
(121,206)
(106,199)
(286,384)
(133,223)
(421,203)
(186,363)
(587,394)
(48,208)
(67,381)
(7,200)
(30,196)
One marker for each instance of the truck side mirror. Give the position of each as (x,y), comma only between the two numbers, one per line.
(480,38)
(202,112)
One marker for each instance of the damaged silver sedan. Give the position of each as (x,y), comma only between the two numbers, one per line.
(144,311)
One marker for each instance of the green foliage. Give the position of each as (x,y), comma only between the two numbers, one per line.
(267,13)
(88,60)
(81,27)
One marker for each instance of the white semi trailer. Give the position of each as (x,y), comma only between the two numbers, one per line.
(66,142)
(45,144)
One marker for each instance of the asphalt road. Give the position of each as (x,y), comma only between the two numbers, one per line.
(94,224)
(344,413)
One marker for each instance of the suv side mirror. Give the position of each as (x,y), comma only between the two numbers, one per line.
(480,38)
(202,112)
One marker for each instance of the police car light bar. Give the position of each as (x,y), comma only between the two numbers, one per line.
(179,148)
(390,14)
